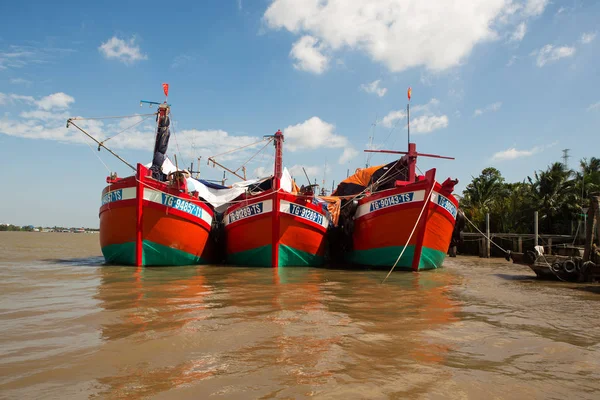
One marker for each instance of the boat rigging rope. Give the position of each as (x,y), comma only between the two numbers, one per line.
(378,181)
(255,154)
(129,127)
(425,204)
(96,154)
(238,148)
(111,117)
(177,143)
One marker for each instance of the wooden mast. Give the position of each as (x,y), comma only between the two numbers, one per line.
(411,155)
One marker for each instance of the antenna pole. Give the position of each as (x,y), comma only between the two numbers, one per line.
(408,120)
(408,94)
(307,178)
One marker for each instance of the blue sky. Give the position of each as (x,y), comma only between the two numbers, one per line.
(496,83)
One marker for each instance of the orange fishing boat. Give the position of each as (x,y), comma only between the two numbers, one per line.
(151,218)
(276,225)
(144,221)
(390,217)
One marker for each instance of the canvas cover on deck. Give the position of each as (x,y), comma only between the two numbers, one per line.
(220,196)
(333,205)
(363,177)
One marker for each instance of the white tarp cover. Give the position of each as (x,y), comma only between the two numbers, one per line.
(220,198)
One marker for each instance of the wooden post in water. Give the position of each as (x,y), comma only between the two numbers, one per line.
(592,231)
(549,245)
(487,233)
(535,229)
(520,244)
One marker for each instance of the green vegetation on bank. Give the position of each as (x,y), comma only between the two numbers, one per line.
(558,194)
(31,228)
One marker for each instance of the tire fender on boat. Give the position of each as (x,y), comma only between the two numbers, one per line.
(556,267)
(569,266)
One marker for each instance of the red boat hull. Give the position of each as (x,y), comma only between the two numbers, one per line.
(146,222)
(385,221)
(276,229)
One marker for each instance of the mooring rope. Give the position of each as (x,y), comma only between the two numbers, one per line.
(411,234)
(484,235)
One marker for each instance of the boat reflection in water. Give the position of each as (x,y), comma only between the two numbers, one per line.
(254,332)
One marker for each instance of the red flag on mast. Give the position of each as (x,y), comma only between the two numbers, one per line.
(166,89)
(409,93)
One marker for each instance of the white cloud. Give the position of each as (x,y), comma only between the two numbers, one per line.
(42,121)
(313,133)
(125,51)
(262,172)
(44,115)
(593,107)
(13,98)
(348,154)
(14,56)
(216,141)
(308,56)
(519,32)
(20,81)
(490,108)
(535,7)
(402,34)
(426,107)
(426,124)
(561,10)
(511,62)
(313,172)
(390,119)
(57,100)
(513,153)
(587,38)
(373,87)
(393,116)
(549,54)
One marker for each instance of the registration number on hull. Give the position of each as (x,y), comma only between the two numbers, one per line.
(182,205)
(391,201)
(245,212)
(447,204)
(109,197)
(306,213)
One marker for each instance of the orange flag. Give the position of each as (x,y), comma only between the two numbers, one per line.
(409,93)
(166,89)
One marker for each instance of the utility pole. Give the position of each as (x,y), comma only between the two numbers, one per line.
(565,158)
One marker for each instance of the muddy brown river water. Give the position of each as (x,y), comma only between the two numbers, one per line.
(73,328)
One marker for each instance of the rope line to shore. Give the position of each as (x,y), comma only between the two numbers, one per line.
(483,234)
(412,233)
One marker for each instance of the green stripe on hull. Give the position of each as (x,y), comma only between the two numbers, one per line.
(152,254)
(431,259)
(158,254)
(288,257)
(387,256)
(257,257)
(123,254)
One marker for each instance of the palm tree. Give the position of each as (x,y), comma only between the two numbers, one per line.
(482,194)
(553,194)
